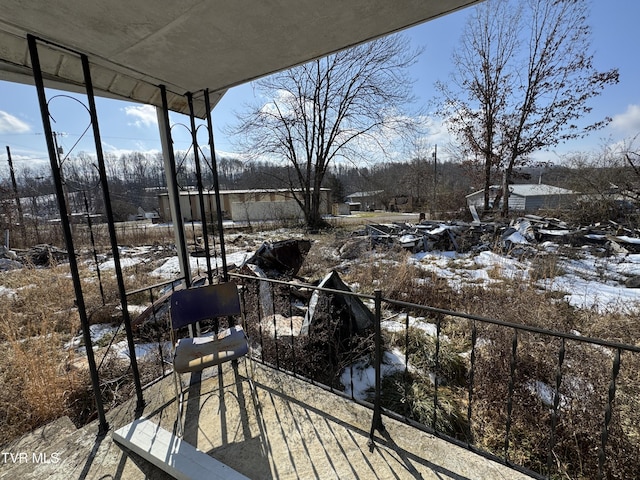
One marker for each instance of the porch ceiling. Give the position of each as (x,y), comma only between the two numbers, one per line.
(190,45)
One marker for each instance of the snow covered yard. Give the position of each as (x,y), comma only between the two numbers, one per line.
(586,280)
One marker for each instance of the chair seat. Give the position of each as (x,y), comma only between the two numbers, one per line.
(195,354)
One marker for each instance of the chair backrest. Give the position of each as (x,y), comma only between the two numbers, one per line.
(204,303)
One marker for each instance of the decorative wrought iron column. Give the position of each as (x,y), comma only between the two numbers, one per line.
(66,228)
(196,157)
(112,232)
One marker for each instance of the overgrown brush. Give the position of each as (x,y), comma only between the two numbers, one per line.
(40,378)
(586,371)
(586,375)
(411,395)
(35,383)
(419,349)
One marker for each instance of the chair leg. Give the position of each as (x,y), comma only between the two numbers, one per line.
(179,399)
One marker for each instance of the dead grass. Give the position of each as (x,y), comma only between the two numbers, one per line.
(37,383)
(40,379)
(586,371)
(412,395)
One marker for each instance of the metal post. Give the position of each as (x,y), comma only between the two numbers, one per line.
(172,187)
(436,372)
(376,423)
(14,184)
(216,186)
(66,228)
(196,157)
(604,436)
(512,382)
(112,231)
(556,404)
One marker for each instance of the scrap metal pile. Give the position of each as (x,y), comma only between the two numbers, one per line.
(518,237)
(282,260)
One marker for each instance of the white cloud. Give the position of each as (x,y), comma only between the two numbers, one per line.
(139,148)
(285,103)
(437,132)
(629,121)
(11,124)
(144,115)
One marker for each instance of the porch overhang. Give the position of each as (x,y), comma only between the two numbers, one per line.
(191,45)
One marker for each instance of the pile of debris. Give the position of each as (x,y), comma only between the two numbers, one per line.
(517,238)
(612,236)
(282,260)
(8,259)
(39,256)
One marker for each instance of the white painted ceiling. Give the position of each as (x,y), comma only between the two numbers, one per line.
(190,45)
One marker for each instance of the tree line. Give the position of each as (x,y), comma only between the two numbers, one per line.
(522,79)
(136,179)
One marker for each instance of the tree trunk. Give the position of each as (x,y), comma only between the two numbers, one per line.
(487,183)
(505,193)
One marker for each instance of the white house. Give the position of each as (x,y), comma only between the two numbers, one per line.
(525,197)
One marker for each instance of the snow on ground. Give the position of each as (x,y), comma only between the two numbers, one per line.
(144,351)
(98,332)
(398,324)
(461,269)
(546,393)
(104,333)
(9,292)
(129,257)
(594,294)
(125,262)
(597,282)
(586,280)
(171,267)
(364,375)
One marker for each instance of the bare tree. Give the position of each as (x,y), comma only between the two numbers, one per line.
(340,106)
(524,76)
(606,181)
(477,93)
(632,157)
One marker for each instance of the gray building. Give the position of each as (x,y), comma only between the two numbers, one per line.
(525,197)
(365,201)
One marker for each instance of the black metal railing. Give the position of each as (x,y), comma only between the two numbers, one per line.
(151,326)
(548,403)
(551,404)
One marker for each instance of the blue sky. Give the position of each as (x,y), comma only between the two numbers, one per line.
(126,126)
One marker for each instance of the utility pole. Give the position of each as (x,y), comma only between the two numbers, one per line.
(59,151)
(16,196)
(435,178)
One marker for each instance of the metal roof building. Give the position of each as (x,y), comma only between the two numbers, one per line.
(525,197)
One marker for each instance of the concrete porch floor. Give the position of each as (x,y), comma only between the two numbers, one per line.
(275,427)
